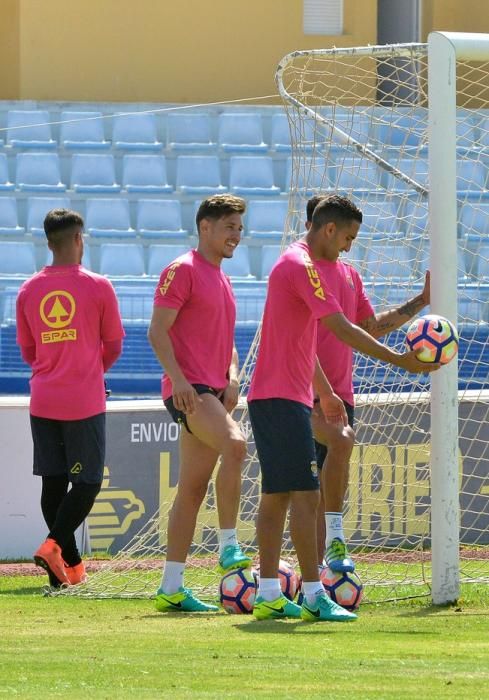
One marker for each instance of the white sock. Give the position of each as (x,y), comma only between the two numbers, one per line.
(269,588)
(334,527)
(312,591)
(227,536)
(172,578)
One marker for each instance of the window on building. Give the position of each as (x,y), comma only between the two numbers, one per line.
(323,17)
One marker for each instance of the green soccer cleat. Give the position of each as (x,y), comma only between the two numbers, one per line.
(276,609)
(233,558)
(337,557)
(181,601)
(325,609)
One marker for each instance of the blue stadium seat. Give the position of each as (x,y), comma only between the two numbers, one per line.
(269,256)
(17,258)
(474,219)
(403,131)
(9,221)
(135,304)
(415,168)
(121,260)
(93,173)
(39,172)
(83,130)
(308,135)
(5,184)
(386,261)
(266,219)
(199,175)
(241,132)
(38,207)
(359,174)
(379,216)
(160,256)
(145,173)
(160,218)
(250,302)
(415,218)
(136,132)
(252,175)
(86,260)
(477,256)
(471,176)
(189,132)
(311,177)
(239,264)
(358,126)
(37,131)
(108,218)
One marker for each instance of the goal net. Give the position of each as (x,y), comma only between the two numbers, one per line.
(358,121)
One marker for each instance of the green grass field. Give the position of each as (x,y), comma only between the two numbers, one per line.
(67,647)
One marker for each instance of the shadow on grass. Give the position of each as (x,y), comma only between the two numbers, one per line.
(286,627)
(448,610)
(27,590)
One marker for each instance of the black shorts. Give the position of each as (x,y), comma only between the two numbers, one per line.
(285,445)
(75,448)
(322,450)
(179,416)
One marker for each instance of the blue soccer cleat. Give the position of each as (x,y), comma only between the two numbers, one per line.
(325,609)
(181,601)
(337,557)
(233,558)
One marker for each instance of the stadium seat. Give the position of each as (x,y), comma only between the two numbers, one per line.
(241,132)
(266,219)
(356,125)
(35,131)
(415,218)
(239,264)
(474,219)
(5,184)
(83,130)
(250,302)
(252,175)
(189,132)
(269,256)
(108,218)
(160,256)
(86,260)
(17,258)
(135,132)
(415,168)
(38,207)
(121,260)
(471,176)
(9,222)
(311,177)
(311,131)
(93,173)
(386,261)
(135,303)
(160,218)
(477,256)
(199,175)
(379,216)
(359,174)
(39,172)
(145,173)
(403,131)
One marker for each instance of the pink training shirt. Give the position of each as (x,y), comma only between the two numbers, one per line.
(203,332)
(335,357)
(67,313)
(297,297)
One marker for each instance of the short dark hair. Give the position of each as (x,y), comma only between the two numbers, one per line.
(220,205)
(60,225)
(312,204)
(337,209)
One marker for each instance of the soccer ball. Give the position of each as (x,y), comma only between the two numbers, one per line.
(289,581)
(344,588)
(433,338)
(237,591)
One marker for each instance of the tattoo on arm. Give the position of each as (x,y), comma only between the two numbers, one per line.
(411,307)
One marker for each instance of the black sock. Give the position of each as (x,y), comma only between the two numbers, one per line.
(73,510)
(54,490)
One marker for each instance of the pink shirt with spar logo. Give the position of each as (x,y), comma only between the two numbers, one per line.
(203,332)
(335,357)
(297,297)
(67,313)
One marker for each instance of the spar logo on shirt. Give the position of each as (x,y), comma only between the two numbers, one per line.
(57,310)
(169,278)
(313,276)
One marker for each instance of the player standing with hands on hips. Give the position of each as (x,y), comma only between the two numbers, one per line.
(280,402)
(70,332)
(192,335)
